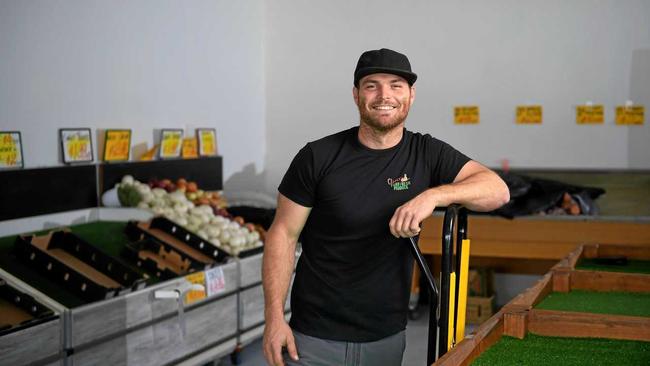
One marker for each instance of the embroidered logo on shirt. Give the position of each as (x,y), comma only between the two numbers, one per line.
(399,184)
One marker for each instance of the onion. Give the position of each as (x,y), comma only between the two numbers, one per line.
(213,231)
(180,208)
(202,234)
(159,192)
(182,221)
(224,237)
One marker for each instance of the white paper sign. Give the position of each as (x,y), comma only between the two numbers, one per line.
(215,281)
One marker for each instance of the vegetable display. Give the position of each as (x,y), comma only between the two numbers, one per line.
(202,213)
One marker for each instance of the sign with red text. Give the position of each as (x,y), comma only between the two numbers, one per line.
(11,150)
(590,114)
(207,141)
(171,142)
(196,278)
(76,144)
(466,115)
(529,114)
(117,145)
(630,115)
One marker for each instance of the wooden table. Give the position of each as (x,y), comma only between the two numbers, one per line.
(532,245)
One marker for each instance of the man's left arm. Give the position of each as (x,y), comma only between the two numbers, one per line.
(475,187)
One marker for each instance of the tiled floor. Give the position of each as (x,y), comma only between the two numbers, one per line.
(415,354)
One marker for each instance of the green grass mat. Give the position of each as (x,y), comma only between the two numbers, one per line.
(632,266)
(619,303)
(107,235)
(537,350)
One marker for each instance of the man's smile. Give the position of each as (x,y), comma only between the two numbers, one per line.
(384,107)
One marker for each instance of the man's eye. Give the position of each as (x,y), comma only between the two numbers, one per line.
(397,86)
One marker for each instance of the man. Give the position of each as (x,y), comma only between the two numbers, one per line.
(355,196)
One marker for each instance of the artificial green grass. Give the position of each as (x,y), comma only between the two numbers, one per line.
(618,303)
(537,350)
(107,235)
(632,266)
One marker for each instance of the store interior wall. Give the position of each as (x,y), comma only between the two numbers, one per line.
(496,54)
(270,76)
(639,136)
(143,65)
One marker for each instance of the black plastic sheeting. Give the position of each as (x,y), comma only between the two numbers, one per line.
(529,195)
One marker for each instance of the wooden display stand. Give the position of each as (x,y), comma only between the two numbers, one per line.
(536,242)
(519,316)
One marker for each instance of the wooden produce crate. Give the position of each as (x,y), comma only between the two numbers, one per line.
(139,329)
(31,325)
(177,238)
(160,259)
(251,298)
(520,316)
(480,295)
(251,270)
(479,309)
(84,269)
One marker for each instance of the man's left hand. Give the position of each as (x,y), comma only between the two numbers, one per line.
(406,220)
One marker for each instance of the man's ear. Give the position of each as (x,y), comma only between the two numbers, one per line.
(412,94)
(355,95)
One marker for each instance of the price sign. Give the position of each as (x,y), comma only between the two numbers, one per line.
(590,114)
(117,145)
(193,295)
(190,148)
(630,115)
(529,114)
(215,281)
(11,150)
(207,141)
(466,115)
(76,145)
(170,143)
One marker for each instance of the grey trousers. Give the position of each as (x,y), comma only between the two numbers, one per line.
(314,351)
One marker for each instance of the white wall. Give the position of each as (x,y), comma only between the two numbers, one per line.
(140,64)
(270,76)
(639,136)
(495,54)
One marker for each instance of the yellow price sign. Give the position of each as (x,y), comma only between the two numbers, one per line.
(466,115)
(207,141)
(590,114)
(170,143)
(630,115)
(529,114)
(77,145)
(197,278)
(10,150)
(117,145)
(190,148)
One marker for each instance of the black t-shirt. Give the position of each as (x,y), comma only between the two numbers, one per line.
(353,278)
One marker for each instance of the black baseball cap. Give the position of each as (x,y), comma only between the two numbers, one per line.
(384,61)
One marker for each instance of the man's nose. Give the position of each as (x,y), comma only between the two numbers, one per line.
(384,92)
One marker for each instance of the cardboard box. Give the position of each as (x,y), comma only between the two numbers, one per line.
(480,282)
(479,309)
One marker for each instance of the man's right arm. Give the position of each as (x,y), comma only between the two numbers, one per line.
(277,267)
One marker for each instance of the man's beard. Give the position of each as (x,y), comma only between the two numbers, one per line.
(376,124)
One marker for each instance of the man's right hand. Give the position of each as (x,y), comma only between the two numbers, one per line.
(278,334)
